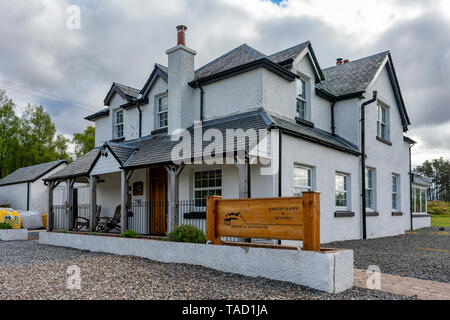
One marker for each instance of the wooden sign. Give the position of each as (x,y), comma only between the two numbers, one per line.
(288,218)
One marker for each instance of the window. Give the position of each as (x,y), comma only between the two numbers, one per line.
(163,112)
(370,202)
(395,190)
(302,179)
(301,98)
(383,122)
(341,187)
(419,200)
(118,124)
(207,183)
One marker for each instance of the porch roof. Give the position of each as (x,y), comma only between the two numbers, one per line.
(157,149)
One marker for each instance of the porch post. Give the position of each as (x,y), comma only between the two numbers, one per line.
(69,205)
(174,172)
(50,206)
(93,202)
(125,177)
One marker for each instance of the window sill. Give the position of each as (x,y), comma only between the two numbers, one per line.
(304,122)
(118,139)
(195,215)
(159,131)
(384,141)
(344,214)
(372,214)
(397,213)
(421,215)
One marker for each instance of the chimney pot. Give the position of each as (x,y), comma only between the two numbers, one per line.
(181,35)
(339,61)
(346,61)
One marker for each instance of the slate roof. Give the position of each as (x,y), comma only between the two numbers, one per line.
(421,179)
(290,53)
(30,174)
(122,151)
(314,134)
(101,113)
(352,77)
(78,168)
(241,55)
(128,91)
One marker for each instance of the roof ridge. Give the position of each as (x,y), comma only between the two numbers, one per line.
(221,57)
(351,61)
(124,85)
(297,45)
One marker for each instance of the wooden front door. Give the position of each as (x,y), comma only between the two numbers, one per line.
(158,201)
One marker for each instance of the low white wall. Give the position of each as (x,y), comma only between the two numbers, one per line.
(331,272)
(13,234)
(421,221)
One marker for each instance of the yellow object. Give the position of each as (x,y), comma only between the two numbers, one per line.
(12,218)
(44,220)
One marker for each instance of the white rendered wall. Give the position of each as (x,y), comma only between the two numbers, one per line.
(387,160)
(39,191)
(103,130)
(14,195)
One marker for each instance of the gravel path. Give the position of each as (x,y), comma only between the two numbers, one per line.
(424,254)
(32,271)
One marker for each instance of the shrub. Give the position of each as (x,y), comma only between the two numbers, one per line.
(94,233)
(4,225)
(5,205)
(129,234)
(187,233)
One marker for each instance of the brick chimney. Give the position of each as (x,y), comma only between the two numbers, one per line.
(181,96)
(181,35)
(339,61)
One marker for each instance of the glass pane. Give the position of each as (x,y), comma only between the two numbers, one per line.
(301,88)
(422,201)
(341,199)
(368,198)
(417,206)
(368,178)
(340,183)
(301,108)
(302,177)
(163,106)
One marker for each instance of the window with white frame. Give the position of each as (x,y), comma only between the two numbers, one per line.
(302,179)
(341,190)
(419,199)
(163,112)
(395,192)
(383,122)
(301,99)
(370,189)
(206,183)
(118,124)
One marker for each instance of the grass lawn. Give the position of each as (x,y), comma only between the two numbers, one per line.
(440,213)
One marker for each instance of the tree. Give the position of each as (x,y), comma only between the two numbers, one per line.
(9,124)
(84,142)
(439,171)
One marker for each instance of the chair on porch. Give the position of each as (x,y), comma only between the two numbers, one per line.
(106,224)
(82,222)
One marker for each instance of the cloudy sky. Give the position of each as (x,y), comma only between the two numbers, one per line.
(69,71)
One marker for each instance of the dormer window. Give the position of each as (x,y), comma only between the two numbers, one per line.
(163,112)
(118,124)
(301,99)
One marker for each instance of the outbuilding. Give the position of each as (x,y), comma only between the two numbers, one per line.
(24,189)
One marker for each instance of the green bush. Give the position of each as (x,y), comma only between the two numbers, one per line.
(4,225)
(129,234)
(187,233)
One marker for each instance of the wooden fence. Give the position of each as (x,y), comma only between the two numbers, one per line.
(288,218)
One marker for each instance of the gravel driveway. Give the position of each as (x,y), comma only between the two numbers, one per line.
(32,271)
(424,254)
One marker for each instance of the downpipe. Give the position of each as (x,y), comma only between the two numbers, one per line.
(363,162)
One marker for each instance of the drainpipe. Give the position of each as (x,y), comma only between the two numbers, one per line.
(280,142)
(28,196)
(249,175)
(333,126)
(410,187)
(202,93)
(363,161)
(140,119)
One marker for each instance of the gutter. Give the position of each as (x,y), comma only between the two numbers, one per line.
(363,162)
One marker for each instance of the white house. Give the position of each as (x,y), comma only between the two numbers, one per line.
(24,189)
(309,137)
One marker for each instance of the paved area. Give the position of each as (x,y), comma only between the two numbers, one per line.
(423,289)
(423,254)
(32,271)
